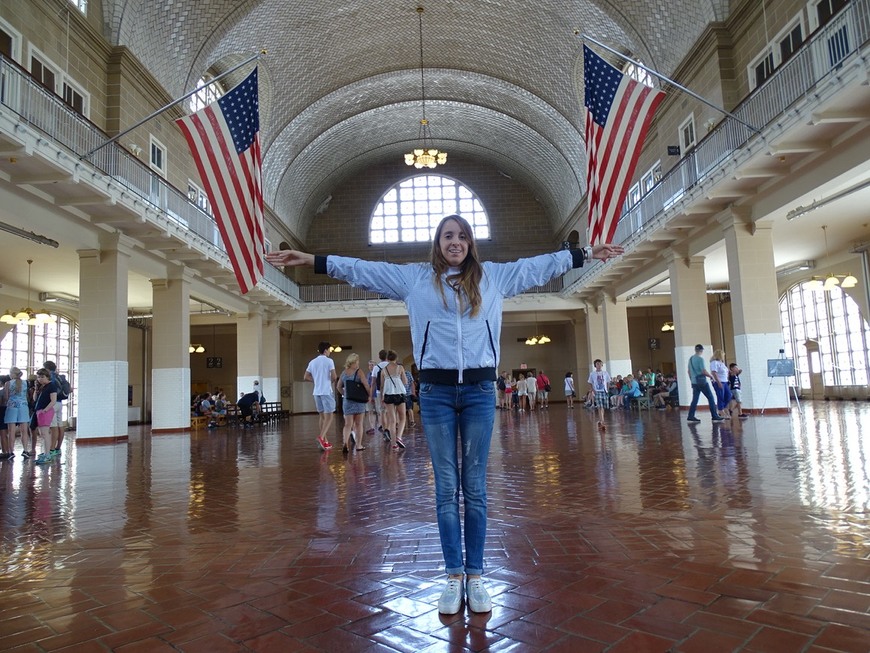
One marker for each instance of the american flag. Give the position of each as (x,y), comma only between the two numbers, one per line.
(224,139)
(618,113)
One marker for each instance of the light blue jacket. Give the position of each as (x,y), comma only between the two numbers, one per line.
(442,337)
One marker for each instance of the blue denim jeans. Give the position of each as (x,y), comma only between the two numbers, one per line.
(469,411)
(699,389)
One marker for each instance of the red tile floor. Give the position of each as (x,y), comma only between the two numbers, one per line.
(654,536)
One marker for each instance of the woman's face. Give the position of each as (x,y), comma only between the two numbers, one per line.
(453,243)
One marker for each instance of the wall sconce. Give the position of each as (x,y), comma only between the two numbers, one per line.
(196,349)
(135,149)
(668,326)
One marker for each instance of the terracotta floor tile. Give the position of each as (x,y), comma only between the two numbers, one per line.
(844,638)
(653,534)
(773,640)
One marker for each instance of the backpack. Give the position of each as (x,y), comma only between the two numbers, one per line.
(500,384)
(64,389)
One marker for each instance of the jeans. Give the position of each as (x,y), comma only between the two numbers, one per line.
(697,390)
(468,409)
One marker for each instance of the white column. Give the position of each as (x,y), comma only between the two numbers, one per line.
(270,365)
(377,337)
(170,373)
(691,316)
(596,342)
(102,391)
(755,311)
(249,344)
(618,359)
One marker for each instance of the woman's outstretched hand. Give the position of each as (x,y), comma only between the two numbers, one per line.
(604,252)
(289,258)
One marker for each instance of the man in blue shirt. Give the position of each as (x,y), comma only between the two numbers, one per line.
(698,374)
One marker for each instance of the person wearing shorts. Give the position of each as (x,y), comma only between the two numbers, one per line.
(321,371)
(599,383)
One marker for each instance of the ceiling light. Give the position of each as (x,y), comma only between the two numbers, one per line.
(831,281)
(849,282)
(27,315)
(427,155)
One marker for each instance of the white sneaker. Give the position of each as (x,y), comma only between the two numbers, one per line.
(451,598)
(477,596)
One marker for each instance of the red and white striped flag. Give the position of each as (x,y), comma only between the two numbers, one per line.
(618,114)
(224,139)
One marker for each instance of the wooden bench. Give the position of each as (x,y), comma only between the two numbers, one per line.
(198,421)
(641,402)
(272,411)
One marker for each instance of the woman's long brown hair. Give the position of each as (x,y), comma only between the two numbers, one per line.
(467,280)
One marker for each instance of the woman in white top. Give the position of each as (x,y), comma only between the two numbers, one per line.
(531,390)
(570,391)
(719,370)
(393,384)
(521,391)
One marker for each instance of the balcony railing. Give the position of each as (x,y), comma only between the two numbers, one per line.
(46,112)
(822,54)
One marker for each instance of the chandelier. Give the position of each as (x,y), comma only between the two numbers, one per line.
(427,155)
(27,315)
(831,281)
(537,340)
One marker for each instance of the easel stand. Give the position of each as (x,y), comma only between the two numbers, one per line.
(787,388)
(781,368)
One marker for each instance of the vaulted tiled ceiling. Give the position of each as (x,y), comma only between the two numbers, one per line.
(341,83)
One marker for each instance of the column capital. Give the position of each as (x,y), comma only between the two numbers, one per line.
(89,254)
(735,217)
(760,227)
(672,255)
(117,242)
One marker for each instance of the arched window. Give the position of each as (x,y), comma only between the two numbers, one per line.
(638,74)
(834,320)
(28,347)
(201,99)
(410,211)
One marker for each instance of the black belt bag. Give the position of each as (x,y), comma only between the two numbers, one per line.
(451,377)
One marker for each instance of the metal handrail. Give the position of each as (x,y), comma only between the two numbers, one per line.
(818,57)
(44,111)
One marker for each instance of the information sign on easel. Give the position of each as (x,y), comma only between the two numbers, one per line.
(781,368)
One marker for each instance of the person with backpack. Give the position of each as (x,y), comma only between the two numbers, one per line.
(63,392)
(501,385)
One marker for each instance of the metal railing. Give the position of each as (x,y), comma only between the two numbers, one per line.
(44,111)
(817,58)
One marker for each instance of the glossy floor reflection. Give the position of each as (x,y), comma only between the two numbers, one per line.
(653,536)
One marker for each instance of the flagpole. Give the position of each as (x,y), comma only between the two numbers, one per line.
(667,79)
(172,104)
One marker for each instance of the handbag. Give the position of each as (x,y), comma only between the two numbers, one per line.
(355,391)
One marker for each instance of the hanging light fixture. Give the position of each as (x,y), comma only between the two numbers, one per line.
(196,349)
(27,315)
(831,281)
(427,155)
(667,326)
(333,349)
(537,340)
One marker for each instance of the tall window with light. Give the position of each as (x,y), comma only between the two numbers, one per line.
(202,98)
(27,347)
(833,319)
(410,211)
